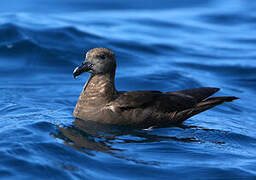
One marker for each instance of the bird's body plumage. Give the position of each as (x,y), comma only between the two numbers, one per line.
(101,102)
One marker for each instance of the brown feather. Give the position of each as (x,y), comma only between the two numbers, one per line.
(101,102)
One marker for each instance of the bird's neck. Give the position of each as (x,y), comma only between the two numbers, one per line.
(100,88)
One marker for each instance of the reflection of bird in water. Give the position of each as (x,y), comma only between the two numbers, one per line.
(89,135)
(101,102)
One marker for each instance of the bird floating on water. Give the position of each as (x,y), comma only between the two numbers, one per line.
(101,102)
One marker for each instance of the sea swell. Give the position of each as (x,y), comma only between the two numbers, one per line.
(157,48)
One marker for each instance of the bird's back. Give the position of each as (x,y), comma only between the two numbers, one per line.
(150,108)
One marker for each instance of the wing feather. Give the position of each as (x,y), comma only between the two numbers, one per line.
(162,102)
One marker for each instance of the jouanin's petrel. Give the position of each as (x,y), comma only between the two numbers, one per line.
(101,102)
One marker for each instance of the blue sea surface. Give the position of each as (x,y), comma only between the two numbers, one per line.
(165,45)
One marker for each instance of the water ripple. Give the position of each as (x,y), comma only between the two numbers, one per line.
(159,46)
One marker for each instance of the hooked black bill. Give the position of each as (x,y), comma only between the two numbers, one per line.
(85,67)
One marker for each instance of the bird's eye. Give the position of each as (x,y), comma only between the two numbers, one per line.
(102,56)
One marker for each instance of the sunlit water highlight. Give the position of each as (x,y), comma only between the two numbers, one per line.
(159,46)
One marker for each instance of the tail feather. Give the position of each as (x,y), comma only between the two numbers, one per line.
(203,106)
(216,100)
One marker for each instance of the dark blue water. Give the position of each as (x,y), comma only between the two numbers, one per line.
(160,45)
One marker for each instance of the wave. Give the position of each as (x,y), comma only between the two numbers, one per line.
(51,47)
(162,46)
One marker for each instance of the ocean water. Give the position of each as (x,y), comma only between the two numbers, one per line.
(160,45)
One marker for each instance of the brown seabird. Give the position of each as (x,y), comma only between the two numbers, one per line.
(101,102)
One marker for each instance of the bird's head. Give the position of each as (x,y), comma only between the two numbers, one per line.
(97,61)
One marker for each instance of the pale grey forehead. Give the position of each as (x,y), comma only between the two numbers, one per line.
(98,51)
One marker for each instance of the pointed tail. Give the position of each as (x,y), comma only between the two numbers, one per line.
(202,106)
